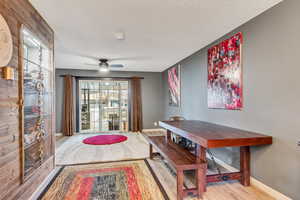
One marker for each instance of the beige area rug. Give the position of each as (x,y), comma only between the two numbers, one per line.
(126,180)
(71,150)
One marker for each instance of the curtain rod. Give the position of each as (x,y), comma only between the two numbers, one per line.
(97,77)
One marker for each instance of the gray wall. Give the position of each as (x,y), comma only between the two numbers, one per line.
(151,93)
(271,96)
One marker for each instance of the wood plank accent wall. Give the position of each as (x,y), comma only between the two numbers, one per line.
(18,13)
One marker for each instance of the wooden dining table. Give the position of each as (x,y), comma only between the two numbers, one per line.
(208,135)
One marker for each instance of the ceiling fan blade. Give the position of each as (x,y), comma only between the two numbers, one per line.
(74,53)
(91,64)
(127,58)
(116,66)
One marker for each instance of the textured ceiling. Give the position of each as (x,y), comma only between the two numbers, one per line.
(158,33)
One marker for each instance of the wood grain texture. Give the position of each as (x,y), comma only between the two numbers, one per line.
(245,165)
(179,157)
(182,160)
(210,135)
(18,13)
(215,191)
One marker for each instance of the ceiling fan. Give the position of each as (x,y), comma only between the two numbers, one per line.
(104,66)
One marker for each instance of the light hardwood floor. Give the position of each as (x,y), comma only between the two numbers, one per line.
(71,150)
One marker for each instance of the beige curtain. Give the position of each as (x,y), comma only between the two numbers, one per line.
(68,104)
(136,105)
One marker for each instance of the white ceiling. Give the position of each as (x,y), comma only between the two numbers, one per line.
(159,33)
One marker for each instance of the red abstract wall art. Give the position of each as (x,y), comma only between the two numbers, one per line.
(174,86)
(225,74)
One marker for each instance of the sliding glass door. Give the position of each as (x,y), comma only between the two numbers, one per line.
(103,105)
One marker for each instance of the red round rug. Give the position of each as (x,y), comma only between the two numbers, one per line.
(104,139)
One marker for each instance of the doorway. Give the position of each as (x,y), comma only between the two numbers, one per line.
(103,105)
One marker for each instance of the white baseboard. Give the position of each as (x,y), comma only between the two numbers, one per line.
(153,130)
(256,183)
(58,134)
(61,134)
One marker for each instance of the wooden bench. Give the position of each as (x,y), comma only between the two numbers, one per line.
(181,159)
(207,135)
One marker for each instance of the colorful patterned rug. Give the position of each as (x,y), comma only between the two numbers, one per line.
(126,180)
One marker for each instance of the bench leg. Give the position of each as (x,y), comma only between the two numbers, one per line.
(201,156)
(180,185)
(201,181)
(168,136)
(151,151)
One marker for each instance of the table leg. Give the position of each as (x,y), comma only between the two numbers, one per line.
(151,151)
(168,136)
(245,165)
(201,157)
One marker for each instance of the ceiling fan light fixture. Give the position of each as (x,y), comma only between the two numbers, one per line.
(120,35)
(103,66)
(104,69)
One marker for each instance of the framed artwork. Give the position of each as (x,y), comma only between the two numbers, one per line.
(174,86)
(225,88)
